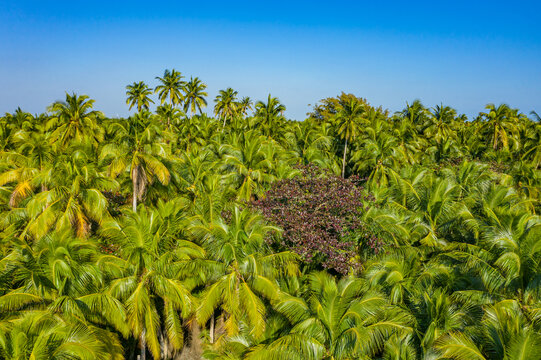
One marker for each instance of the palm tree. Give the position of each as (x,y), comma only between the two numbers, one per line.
(71,194)
(244,270)
(170,87)
(244,105)
(376,158)
(416,114)
(440,126)
(47,336)
(312,143)
(246,155)
(168,112)
(136,148)
(334,320)
(71,317)
(532,145)
(269,114)
(348,123)
(138,94)
(34,154)
(74,119)
(225,104)
(152,276)
(500,125)
(505,332)
(194,95)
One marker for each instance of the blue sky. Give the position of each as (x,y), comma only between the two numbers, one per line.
(461,53)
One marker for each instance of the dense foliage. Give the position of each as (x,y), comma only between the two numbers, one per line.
(354,234)
(320,215)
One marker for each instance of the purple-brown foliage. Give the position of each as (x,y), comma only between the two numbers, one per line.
(318,212)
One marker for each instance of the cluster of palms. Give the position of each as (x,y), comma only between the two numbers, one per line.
(131,237)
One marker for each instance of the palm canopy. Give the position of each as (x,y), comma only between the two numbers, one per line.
(348,124)
(138,95)
(74,119)
(71,197)
(70,314)
(269,114)
(334,320)
(143,235)
(151,274)
(226,106)
(137,148)
(244,270)
(501,125)
(194,95)
(171,86)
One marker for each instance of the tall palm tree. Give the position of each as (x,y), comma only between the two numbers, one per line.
(269,114)
(440,125)
(194,95)
(170,87)
(244,270)
(34,153)
(138,94)
(501,125)
(244,105)
(532,145)
(169,113)
(137,148)
(246,155)
(416,113)
(74,119)
(348,124)
(152,281)
(226,105)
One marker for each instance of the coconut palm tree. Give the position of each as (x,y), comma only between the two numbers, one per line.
(348,121)
(334,320)
(244,270)
(532,145)
(151,275)
(136,147)
(194,95)
(500,126)
(71,195)
(71,317)
(247,156)
(74,119)
(138,94)
(269,114)
(170,87)
(244,105)
(226,105)
(34,153)
(441,124)
(46,336)
(169,114)
(377,158)
(504,333)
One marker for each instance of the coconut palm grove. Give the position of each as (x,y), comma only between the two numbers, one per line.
(357,233)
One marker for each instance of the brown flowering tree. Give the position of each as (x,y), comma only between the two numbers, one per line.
(321,217)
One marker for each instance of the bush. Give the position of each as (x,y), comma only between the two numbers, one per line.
(321,217)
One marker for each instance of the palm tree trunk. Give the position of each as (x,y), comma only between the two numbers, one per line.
(344,160)
(495,142)
(212,329)
(143,345)
(134,199)
(223,127)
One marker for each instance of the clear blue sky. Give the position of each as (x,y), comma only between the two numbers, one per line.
(462,53)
